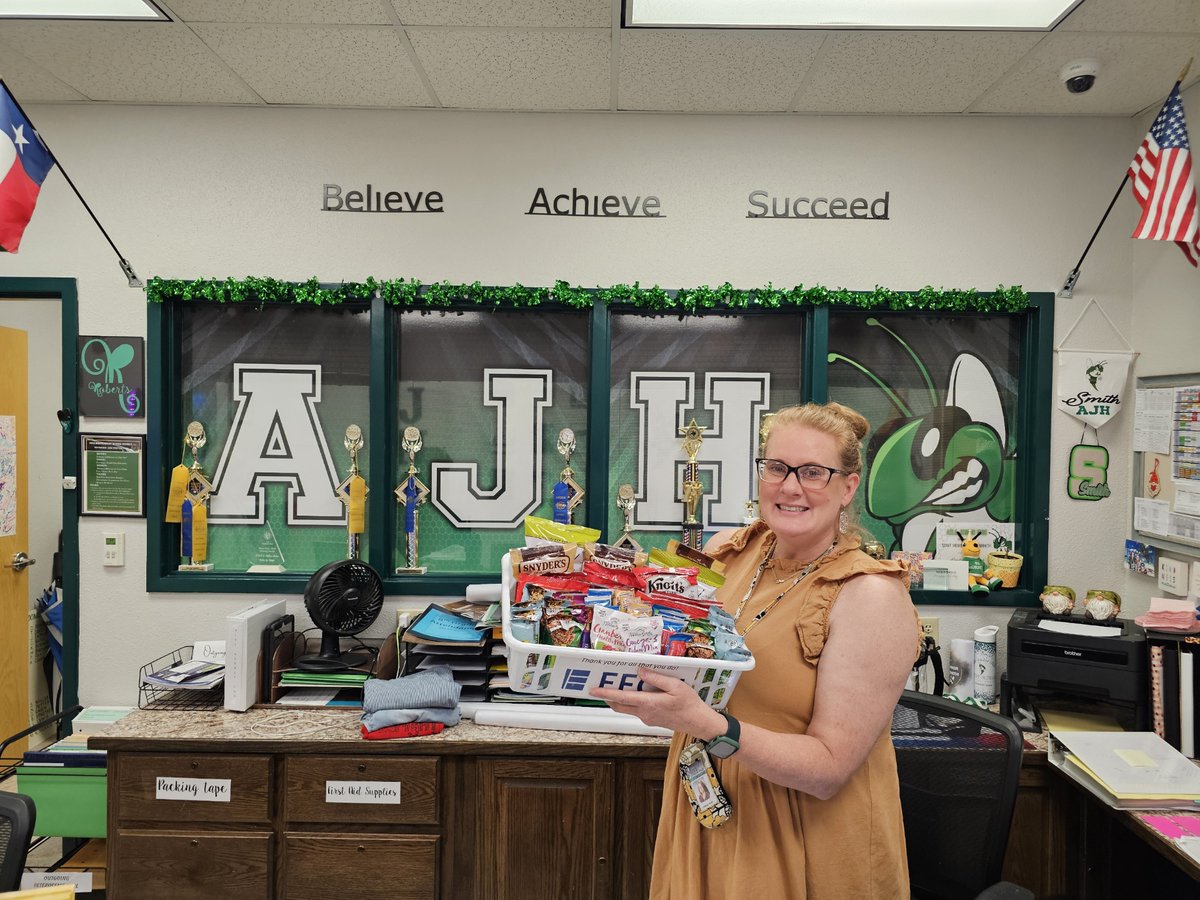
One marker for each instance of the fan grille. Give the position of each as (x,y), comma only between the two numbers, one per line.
(344,597)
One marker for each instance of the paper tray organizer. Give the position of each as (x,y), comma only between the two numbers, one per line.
(153,696)
(574,672)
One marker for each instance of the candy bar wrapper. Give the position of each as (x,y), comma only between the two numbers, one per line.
(548,559)
(610,557)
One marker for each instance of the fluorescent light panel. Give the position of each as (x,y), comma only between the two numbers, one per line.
(848,14)
(80,9)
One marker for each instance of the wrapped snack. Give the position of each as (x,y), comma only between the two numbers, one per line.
(559,533)
(615,630)
(602,576)
(612,557)
(634,605)
(674,581)
(702,645)
(565,628)
(547,559)
(526,621)
(699,557)
(728,644)
(704,575)
(677,644)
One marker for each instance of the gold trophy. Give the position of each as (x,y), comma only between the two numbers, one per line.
(625,503)
(411,494)
(693,437)
(193,538)
(567,492)
(353,493)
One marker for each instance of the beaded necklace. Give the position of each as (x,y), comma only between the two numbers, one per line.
(762,567)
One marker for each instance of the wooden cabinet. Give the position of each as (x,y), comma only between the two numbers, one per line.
(361,866)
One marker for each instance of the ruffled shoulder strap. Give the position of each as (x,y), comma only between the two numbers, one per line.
(738,541)
(812,623)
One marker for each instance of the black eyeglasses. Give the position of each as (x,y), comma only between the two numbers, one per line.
(810,475)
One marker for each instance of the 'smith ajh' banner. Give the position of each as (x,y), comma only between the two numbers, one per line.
(1092,384)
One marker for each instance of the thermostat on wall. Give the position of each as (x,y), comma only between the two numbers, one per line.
(114,548)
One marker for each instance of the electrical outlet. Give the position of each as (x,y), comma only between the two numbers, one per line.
(929,626)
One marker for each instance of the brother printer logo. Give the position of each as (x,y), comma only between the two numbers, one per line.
(374,200)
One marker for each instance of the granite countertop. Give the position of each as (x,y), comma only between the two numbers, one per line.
(268,728)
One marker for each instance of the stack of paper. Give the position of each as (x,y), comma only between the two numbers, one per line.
(70,752)
(1135,770)
(455,635)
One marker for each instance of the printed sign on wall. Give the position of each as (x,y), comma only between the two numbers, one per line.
(111,376)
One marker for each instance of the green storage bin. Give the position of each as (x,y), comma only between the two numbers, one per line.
(70,802)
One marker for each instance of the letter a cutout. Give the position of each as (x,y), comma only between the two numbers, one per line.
(276,436)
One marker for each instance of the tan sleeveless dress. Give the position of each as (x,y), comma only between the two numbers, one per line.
(782,844)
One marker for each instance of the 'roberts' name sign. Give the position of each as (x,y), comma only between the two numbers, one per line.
(374,200)
(581,203)
(362,792)
(764,205)
(212,790)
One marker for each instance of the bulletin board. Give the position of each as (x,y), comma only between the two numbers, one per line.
(1166,444)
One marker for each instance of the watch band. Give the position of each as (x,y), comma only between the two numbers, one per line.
(725,745)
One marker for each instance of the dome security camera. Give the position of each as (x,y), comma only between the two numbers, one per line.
(1080,75)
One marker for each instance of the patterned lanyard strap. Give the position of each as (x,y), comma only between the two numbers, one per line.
(762,567)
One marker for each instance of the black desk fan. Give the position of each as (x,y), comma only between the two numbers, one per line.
(342,598)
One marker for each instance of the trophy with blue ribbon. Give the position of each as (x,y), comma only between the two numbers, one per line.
(411,494)
(567,492)
(693,488)
(353,493)
(193,511)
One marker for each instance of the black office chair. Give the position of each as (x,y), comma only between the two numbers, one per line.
(959,766)
(17,816)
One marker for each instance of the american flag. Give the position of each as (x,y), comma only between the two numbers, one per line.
(1162,182)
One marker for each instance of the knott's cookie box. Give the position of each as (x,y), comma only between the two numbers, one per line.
(574,672)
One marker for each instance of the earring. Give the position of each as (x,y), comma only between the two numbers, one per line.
(843,521)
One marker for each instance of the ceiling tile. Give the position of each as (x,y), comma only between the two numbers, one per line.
(31,83)
(908,72)
(128,62)
(713,71)
(1136,72)
(278,12)
(506,69)
(1166,16)
(359,65)
(507,13)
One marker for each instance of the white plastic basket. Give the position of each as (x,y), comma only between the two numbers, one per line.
(574,672)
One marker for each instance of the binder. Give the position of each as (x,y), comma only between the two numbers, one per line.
(243,645)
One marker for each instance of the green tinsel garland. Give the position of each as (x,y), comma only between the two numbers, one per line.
(412,294)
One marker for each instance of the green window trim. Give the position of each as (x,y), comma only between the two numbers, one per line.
(165,426)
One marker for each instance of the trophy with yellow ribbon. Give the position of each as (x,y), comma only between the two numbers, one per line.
(567,492)
(411,493)
(353,492)
(693,488)
(187,503)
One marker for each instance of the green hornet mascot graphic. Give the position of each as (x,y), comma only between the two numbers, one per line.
(949,463)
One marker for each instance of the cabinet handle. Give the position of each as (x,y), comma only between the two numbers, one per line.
(602,861)
(362,767)
(195,765)
(195,843)
(362,849)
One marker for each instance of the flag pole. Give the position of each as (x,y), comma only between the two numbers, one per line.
(1068,289)
(126,266)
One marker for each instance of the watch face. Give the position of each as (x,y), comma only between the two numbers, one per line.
(722,747)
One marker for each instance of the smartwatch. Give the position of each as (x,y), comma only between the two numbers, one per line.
(725,745)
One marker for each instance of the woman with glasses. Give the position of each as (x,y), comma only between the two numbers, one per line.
(803,751)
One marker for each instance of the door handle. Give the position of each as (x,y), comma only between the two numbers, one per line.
(20,561)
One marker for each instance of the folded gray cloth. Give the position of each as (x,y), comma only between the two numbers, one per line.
(433,688)
(386,717)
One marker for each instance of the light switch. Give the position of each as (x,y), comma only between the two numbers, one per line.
(114,548)
(1172,575)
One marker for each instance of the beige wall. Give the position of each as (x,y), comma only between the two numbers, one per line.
(975,202)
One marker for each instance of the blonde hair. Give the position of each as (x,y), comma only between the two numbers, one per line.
(847,426)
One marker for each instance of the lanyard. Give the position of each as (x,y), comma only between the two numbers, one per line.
(762,567)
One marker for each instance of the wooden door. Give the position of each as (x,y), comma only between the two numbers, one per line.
(14,513)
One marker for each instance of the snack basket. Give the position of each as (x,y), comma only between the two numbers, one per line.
(573,671)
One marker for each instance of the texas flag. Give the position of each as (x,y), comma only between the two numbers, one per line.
(24,163)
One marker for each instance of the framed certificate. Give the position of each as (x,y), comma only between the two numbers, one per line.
(114,475)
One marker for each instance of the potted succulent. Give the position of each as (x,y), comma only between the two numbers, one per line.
(1003,562)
